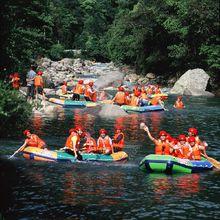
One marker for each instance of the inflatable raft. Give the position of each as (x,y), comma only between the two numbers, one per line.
(33,153)
(149,108)
(71,104)
(169,164)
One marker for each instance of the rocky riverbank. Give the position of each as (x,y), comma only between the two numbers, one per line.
(110,75)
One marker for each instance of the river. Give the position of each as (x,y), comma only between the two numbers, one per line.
(41,190)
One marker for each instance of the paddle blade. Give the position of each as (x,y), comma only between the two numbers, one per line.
(214,162)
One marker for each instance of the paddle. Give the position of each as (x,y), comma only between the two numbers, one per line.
(143,126)
(17,151)
(213,161)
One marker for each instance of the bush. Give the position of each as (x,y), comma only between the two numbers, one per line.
(56,52)
(14,110)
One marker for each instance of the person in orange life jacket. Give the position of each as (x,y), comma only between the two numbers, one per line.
(196,149)
(104,143)
(135,89)
(78,90)
(64,88)
(118,140)
(90,145)
(73,142)
(179,103)
(15,81)
(32,140)
(135,99)
(127,98)
(157,89)
(90,93)
(39,83)
(161,145)
(119,98)
(185,147)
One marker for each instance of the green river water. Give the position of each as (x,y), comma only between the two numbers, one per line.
(41,190)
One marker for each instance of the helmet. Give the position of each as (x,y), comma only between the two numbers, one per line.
(120,88)
(182,137)
(80,81)
(103,131)
(162,133)
(194,131)
(191,139)
(137,93)
(78,128)
(40,73)
(25,132)
(72,130)
(175,141)
(16,74)
(91,83)
(127,93)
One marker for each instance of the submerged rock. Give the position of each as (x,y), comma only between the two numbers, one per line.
(193,82)
(111,111)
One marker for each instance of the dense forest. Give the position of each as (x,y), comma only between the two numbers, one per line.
(161,36)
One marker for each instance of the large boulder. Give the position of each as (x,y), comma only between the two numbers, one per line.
(193,82)
(111,111)
(150,76)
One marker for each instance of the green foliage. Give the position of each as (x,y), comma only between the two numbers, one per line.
(14,110)
(56,51)
(154,36)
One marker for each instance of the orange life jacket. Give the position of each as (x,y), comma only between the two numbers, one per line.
(90,145)
(38,81)
(16,82)
(121,143)
(79,89)
(144,95)
(104,144)
(127,100)
(162,147)
(64,89)
(134,101)
(69,143)
(35,141)
(196,153)
(119,98)
(155,100)
(186,151)
(179,105)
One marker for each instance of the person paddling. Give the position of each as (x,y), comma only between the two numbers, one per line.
(32,140)
(104,143)
(196,149)
(73,142)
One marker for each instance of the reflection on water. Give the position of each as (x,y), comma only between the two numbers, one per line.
(35,190)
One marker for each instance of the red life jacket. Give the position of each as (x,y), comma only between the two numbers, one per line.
(69,143)
(35,141)
(121,143)
(104,144)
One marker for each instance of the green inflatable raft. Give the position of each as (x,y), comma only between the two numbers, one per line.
(169,164)
(33,153)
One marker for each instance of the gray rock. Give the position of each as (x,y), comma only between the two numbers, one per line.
(193,82)
(197,92)
(150,76)
(111,111)
(66,62)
